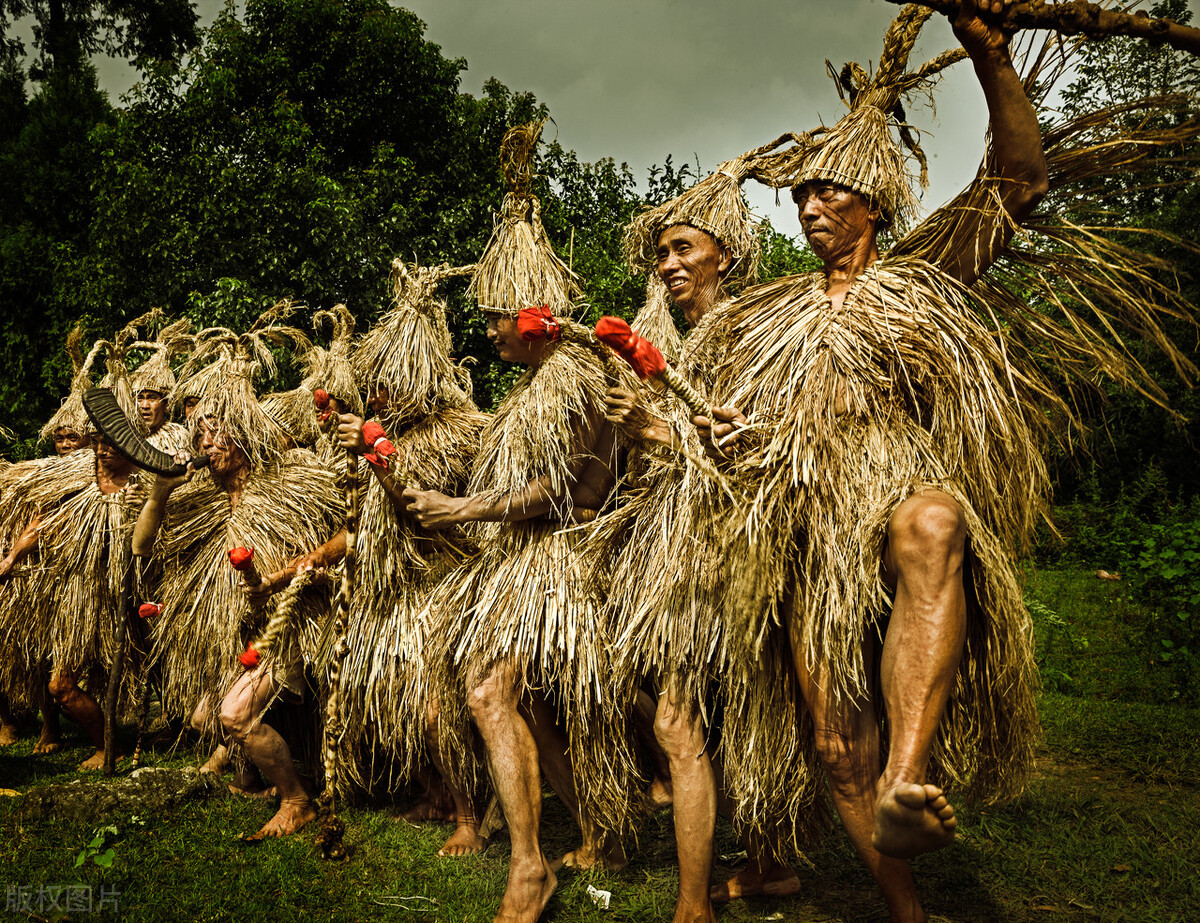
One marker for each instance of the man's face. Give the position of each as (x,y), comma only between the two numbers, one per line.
(834,219)
(152,408)
(67,441)
(189,404)
(225,457)
(502,331)
(378,398)
(109,458)
(691,263)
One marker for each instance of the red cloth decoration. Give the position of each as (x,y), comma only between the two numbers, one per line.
(149,610)
(241,558)
(321,399)
(536,322)
(381,446)
(249,657)
(642,355)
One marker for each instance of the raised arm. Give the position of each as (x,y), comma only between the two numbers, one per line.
(21,548)
(1020,163)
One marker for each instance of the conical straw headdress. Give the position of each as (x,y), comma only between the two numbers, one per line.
(155,374)
(71,416)
(408,350)
(519,267)
(861,151)
(714,205)
(231,363)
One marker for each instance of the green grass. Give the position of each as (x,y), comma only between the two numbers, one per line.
(1106,831)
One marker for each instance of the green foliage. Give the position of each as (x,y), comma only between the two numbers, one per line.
(95,850)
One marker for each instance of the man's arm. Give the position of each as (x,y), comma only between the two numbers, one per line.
(326,555)
(1020,162)
(21,548)
(434,510)
(149,520)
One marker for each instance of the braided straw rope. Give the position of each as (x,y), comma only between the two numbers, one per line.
(332,828)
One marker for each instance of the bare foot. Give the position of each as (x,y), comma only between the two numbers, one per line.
(528,892)
(49,741)
(96,761)
(660,793)
(291,816)
(218,762)
(264,793)
(428,811)
(8,735)
(464,841)
(912,819)
(775,881)
(589,856)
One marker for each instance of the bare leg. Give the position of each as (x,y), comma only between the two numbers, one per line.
(50,740)
(241,714)
(513,757)
(921,653)
(596,850)
(659,792)
(847,738)
(8,726)
(763,874)
(465,840)
(679,730)
(435,803)
(84,711)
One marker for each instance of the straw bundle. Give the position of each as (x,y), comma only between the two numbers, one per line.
(408,350)
(654,320)
(519,266)
(71,416)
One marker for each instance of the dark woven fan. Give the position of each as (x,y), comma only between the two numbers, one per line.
(102,407)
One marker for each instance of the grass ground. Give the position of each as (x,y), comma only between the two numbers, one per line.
(1106,830)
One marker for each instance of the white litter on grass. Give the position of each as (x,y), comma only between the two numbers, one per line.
(774,916)
(599,898)
(403,902)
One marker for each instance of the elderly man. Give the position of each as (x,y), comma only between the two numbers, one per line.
(871,456)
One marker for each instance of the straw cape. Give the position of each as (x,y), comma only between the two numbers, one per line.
(435,427)
(915,382)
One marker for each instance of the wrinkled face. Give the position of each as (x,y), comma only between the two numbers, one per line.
(189,404)
(835,220)
(502,331)
(67,441)
(152,408)
(225,456)
(378,398)
(691,264)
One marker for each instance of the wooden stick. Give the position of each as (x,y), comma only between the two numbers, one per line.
(1077,17)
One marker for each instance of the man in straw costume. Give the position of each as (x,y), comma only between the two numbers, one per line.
(666,585)
(25,487)
(75,599)
(524,633)
(892,426)
(252,496)
(423,401)
(153,382)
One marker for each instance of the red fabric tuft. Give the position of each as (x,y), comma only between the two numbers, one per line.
(536,322)
(249,657)
(149,610)
(372,433)
(321,399)
(642,355)
(241,558)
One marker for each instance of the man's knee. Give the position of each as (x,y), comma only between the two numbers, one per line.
(843,758)
(236,714)
(927,527)
(677,729)
(62,686)
(494,694)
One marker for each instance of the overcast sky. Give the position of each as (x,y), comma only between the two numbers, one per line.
(701,80)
